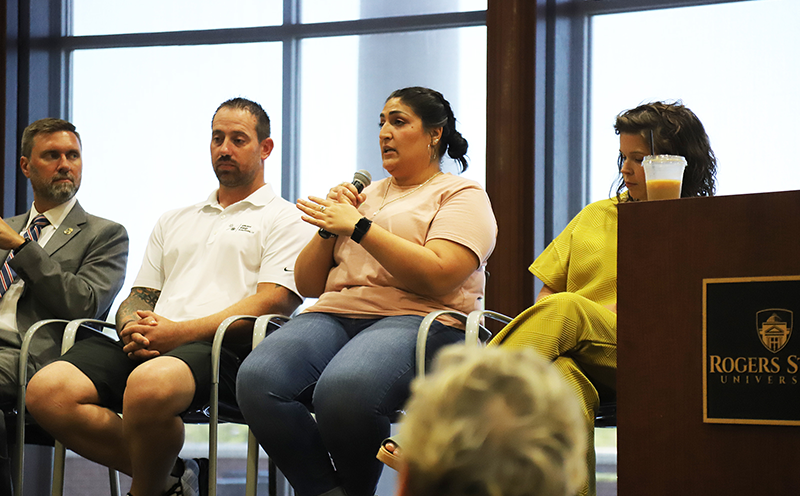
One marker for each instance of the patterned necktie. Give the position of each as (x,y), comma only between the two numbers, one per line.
(7,274)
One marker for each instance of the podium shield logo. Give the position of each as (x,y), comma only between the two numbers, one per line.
(774,327)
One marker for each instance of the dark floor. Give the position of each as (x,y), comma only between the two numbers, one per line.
(86,478)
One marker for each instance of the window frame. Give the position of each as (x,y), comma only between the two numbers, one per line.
(40,70)
(547,39)
(563,83)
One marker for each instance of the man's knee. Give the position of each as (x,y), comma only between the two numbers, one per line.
(58,385)
(160,385)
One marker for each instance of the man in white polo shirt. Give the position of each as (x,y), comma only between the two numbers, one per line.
(230,255)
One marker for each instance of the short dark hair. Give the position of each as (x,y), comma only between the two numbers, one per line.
(676,131)
(435,111)
(262,119)
(47,125)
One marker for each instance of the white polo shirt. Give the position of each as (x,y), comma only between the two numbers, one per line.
(204,258)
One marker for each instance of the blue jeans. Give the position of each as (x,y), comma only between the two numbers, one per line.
(353,373)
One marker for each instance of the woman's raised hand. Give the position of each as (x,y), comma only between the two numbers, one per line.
(337,213)
(346,192)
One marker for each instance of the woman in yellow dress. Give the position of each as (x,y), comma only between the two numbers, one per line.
(574,321)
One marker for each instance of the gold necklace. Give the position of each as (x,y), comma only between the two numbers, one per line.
(386,193)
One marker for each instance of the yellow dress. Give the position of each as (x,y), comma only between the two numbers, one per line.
(573,328)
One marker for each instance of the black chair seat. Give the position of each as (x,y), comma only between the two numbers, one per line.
(34,433)
(607,412)
(227,413)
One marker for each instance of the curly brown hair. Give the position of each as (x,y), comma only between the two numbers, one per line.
(676,130)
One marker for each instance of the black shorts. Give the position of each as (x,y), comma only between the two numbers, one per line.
(104,362)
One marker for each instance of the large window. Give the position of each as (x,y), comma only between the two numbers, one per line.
(144,88)
(98,17)
(339,115)
(736,65)
(145,114)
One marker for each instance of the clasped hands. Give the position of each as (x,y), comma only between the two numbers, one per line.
(337,213)
(150,336)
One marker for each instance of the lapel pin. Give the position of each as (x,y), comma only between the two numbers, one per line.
(68,230)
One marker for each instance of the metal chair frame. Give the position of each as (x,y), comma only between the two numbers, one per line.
(475,333)
(606,415)
(70,332)
(260,329)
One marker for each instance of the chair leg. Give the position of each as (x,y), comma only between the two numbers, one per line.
(251,483)
(272,473)
(58,469)
(58,473)
(19,467)
(212,474)
(113,479)
(213,440)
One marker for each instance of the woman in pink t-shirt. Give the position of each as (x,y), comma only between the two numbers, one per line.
(407,245)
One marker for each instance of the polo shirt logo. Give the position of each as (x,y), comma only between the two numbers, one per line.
(241,228)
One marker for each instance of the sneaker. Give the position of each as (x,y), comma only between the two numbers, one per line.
(175,490)
(194,480)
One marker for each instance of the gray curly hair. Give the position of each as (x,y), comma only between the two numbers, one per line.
(493,422)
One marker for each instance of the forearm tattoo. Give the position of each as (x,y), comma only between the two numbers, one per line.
(139,299)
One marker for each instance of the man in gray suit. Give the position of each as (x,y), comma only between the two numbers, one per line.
(72,268)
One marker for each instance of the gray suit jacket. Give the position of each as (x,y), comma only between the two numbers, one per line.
(77,274)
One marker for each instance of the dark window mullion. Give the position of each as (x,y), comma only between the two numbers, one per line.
(596,7)
(290,168)
(278,33)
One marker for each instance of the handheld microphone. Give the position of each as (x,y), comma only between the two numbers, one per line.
(361,179)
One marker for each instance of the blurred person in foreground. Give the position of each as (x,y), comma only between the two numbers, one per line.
(492,422)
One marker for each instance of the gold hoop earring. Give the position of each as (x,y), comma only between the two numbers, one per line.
(432,150)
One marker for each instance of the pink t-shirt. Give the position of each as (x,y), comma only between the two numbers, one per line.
(449,207)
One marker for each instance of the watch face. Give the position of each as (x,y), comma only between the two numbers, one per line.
(362,226)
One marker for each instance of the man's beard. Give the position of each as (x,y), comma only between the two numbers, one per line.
(233,178)
(60,192)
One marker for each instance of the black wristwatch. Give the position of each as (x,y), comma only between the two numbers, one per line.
(362,226)
(18,248)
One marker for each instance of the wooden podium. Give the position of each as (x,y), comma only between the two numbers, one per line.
(666,249)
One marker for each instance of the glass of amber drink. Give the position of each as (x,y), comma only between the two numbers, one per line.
(663,175)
